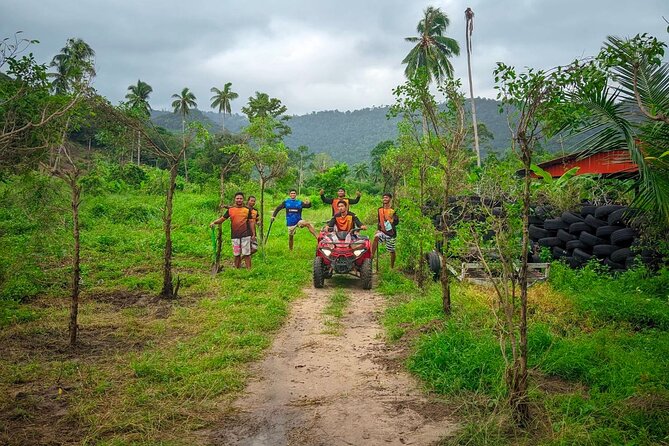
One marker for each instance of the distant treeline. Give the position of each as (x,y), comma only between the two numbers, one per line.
(350,136)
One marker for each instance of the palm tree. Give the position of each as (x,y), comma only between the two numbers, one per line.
(182,104)
(631,112)
(221,100)
(433,49)
(138,97)
(74,65)
(469,28)
(361,171)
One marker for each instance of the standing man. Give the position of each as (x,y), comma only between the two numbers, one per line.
(387,221)
(242,229)
(341,195)
(345,220)
(293,208)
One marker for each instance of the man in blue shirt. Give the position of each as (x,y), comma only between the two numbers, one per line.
(293,208)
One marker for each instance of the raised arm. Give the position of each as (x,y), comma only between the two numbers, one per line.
(325,199)
(278,209)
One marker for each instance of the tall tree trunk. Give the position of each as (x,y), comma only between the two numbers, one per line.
(169,291)
(262,212)
(469,16)
(139,147)
(76,266)
(183,134)
(445,275)
(518,386)
(219,231)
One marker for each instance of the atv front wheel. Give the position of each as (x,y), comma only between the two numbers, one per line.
(366,274)
(319,278)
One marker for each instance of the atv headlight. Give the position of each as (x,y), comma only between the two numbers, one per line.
(358,252)
(326,251)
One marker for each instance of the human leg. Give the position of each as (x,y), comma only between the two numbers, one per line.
(237,251)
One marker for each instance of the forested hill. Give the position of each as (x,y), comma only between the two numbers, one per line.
(347,136)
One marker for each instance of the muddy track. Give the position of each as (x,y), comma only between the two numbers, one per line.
(315,388)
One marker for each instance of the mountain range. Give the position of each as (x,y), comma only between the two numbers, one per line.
(348,136)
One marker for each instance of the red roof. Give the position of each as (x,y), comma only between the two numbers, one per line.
(615,162)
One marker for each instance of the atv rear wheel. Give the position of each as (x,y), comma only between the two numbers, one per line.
(366,274)
(319,278)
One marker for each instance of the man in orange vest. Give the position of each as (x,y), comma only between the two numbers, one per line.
(243,230)
(386,233)
(341,195)
(345,220)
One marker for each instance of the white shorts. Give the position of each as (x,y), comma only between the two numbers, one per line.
(388,240)
(300,224)
(241,246)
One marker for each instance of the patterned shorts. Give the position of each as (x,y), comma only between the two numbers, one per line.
(241,246)
(388,240)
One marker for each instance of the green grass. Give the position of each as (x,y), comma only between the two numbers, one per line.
(334,311)
(600,340)
(163,369)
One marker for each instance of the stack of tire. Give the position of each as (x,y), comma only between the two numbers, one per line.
(597,232)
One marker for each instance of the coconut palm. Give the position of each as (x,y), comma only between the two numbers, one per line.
(221,100)
(469,28)
(631,112)
(361,171)
(74,64)
(138,97)
(182,104)
(433,49)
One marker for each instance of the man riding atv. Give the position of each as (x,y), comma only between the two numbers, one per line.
(341,251)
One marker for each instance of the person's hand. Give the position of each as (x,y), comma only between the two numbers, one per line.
(212,224)
(363,227)
(357,193)
(273,218)
(307,201)
(322,191)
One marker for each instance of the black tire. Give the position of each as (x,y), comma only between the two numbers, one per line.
(581,255)
(434,261)
(617,217)
(536,233)
(570,217)
(604,211)
(603,251)
(573,244)
(623,237)
(319,276)
(555,224)
(577,228)
(536,221)
(573,262)
(588,210)
(621,255)
(559,252)
(614,265)
(565,236)
(590,239)
(366,274)
(595,222)
(606,231)
(550,242)
(543,212)
(535,258)
(498,211)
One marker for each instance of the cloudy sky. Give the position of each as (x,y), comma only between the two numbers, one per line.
(313,55)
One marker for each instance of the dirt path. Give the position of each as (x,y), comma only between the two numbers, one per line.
(315,388)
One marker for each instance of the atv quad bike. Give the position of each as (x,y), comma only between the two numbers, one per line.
(341,252)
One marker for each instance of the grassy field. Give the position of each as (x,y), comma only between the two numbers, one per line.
(146,371)
(598,352)
(149,371)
